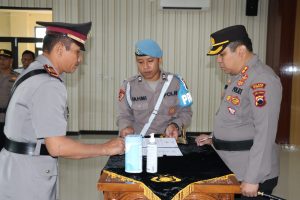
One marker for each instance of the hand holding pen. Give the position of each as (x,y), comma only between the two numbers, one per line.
(203,139)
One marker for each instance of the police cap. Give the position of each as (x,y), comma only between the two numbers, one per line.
(148,48)
(6,53)
(220,39)
(77,32)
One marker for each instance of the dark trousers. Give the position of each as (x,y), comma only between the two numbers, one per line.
(265,187)
(2,137)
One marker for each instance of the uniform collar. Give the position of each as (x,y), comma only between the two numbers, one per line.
(44,60)
(163,76)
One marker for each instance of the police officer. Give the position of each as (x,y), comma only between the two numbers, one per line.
(36,122)
(27,58)
(7,79)
(246,123)
(150,101)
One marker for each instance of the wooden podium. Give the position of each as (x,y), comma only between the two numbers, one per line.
(114,189)
(201,175)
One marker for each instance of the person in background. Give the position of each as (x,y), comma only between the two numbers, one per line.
(245,125)
(154,101)
(7,79)
(27,58)
(36,120)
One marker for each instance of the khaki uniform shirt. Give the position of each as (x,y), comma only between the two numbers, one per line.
(143,101)
(36,111)
(250,110)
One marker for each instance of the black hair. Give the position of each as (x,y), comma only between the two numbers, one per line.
(29,52)
(53,38)
(233,45)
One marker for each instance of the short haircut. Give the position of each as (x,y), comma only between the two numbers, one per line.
(233,45)
(28,52)
(53,38)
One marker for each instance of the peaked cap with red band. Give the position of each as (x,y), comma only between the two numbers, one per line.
(77,32)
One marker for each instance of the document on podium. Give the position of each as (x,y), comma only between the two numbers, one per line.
(165,147)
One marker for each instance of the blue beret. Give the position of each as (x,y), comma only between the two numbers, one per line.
(148,48)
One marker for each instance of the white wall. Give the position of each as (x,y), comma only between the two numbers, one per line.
(183,35)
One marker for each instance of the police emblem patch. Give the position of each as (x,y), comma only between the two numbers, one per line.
(165,178)
(260,99)
(121,94)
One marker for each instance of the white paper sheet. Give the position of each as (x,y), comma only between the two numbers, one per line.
(165,147)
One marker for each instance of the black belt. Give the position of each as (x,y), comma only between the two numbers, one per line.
(243,145)
(24,148)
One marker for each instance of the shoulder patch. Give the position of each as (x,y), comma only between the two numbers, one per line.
(258,86)
(121,94)
(260,99)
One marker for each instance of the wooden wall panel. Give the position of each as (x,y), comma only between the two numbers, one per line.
(295,106)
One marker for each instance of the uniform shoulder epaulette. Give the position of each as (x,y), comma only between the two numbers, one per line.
(51,71)
(135,77)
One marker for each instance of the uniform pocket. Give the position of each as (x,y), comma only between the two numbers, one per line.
(140,106)
(44,166)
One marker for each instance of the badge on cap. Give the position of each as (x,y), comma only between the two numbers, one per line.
(184,95)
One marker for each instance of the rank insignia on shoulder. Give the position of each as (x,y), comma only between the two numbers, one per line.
(258,86)
(121,94)
(260,99)
(51,71)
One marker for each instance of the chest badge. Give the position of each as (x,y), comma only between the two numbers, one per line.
(172,110)
(233,99)
(231,110)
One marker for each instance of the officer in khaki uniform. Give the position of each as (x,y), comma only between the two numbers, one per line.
(36,119)
(246,123)
(7,79)
(139,95)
